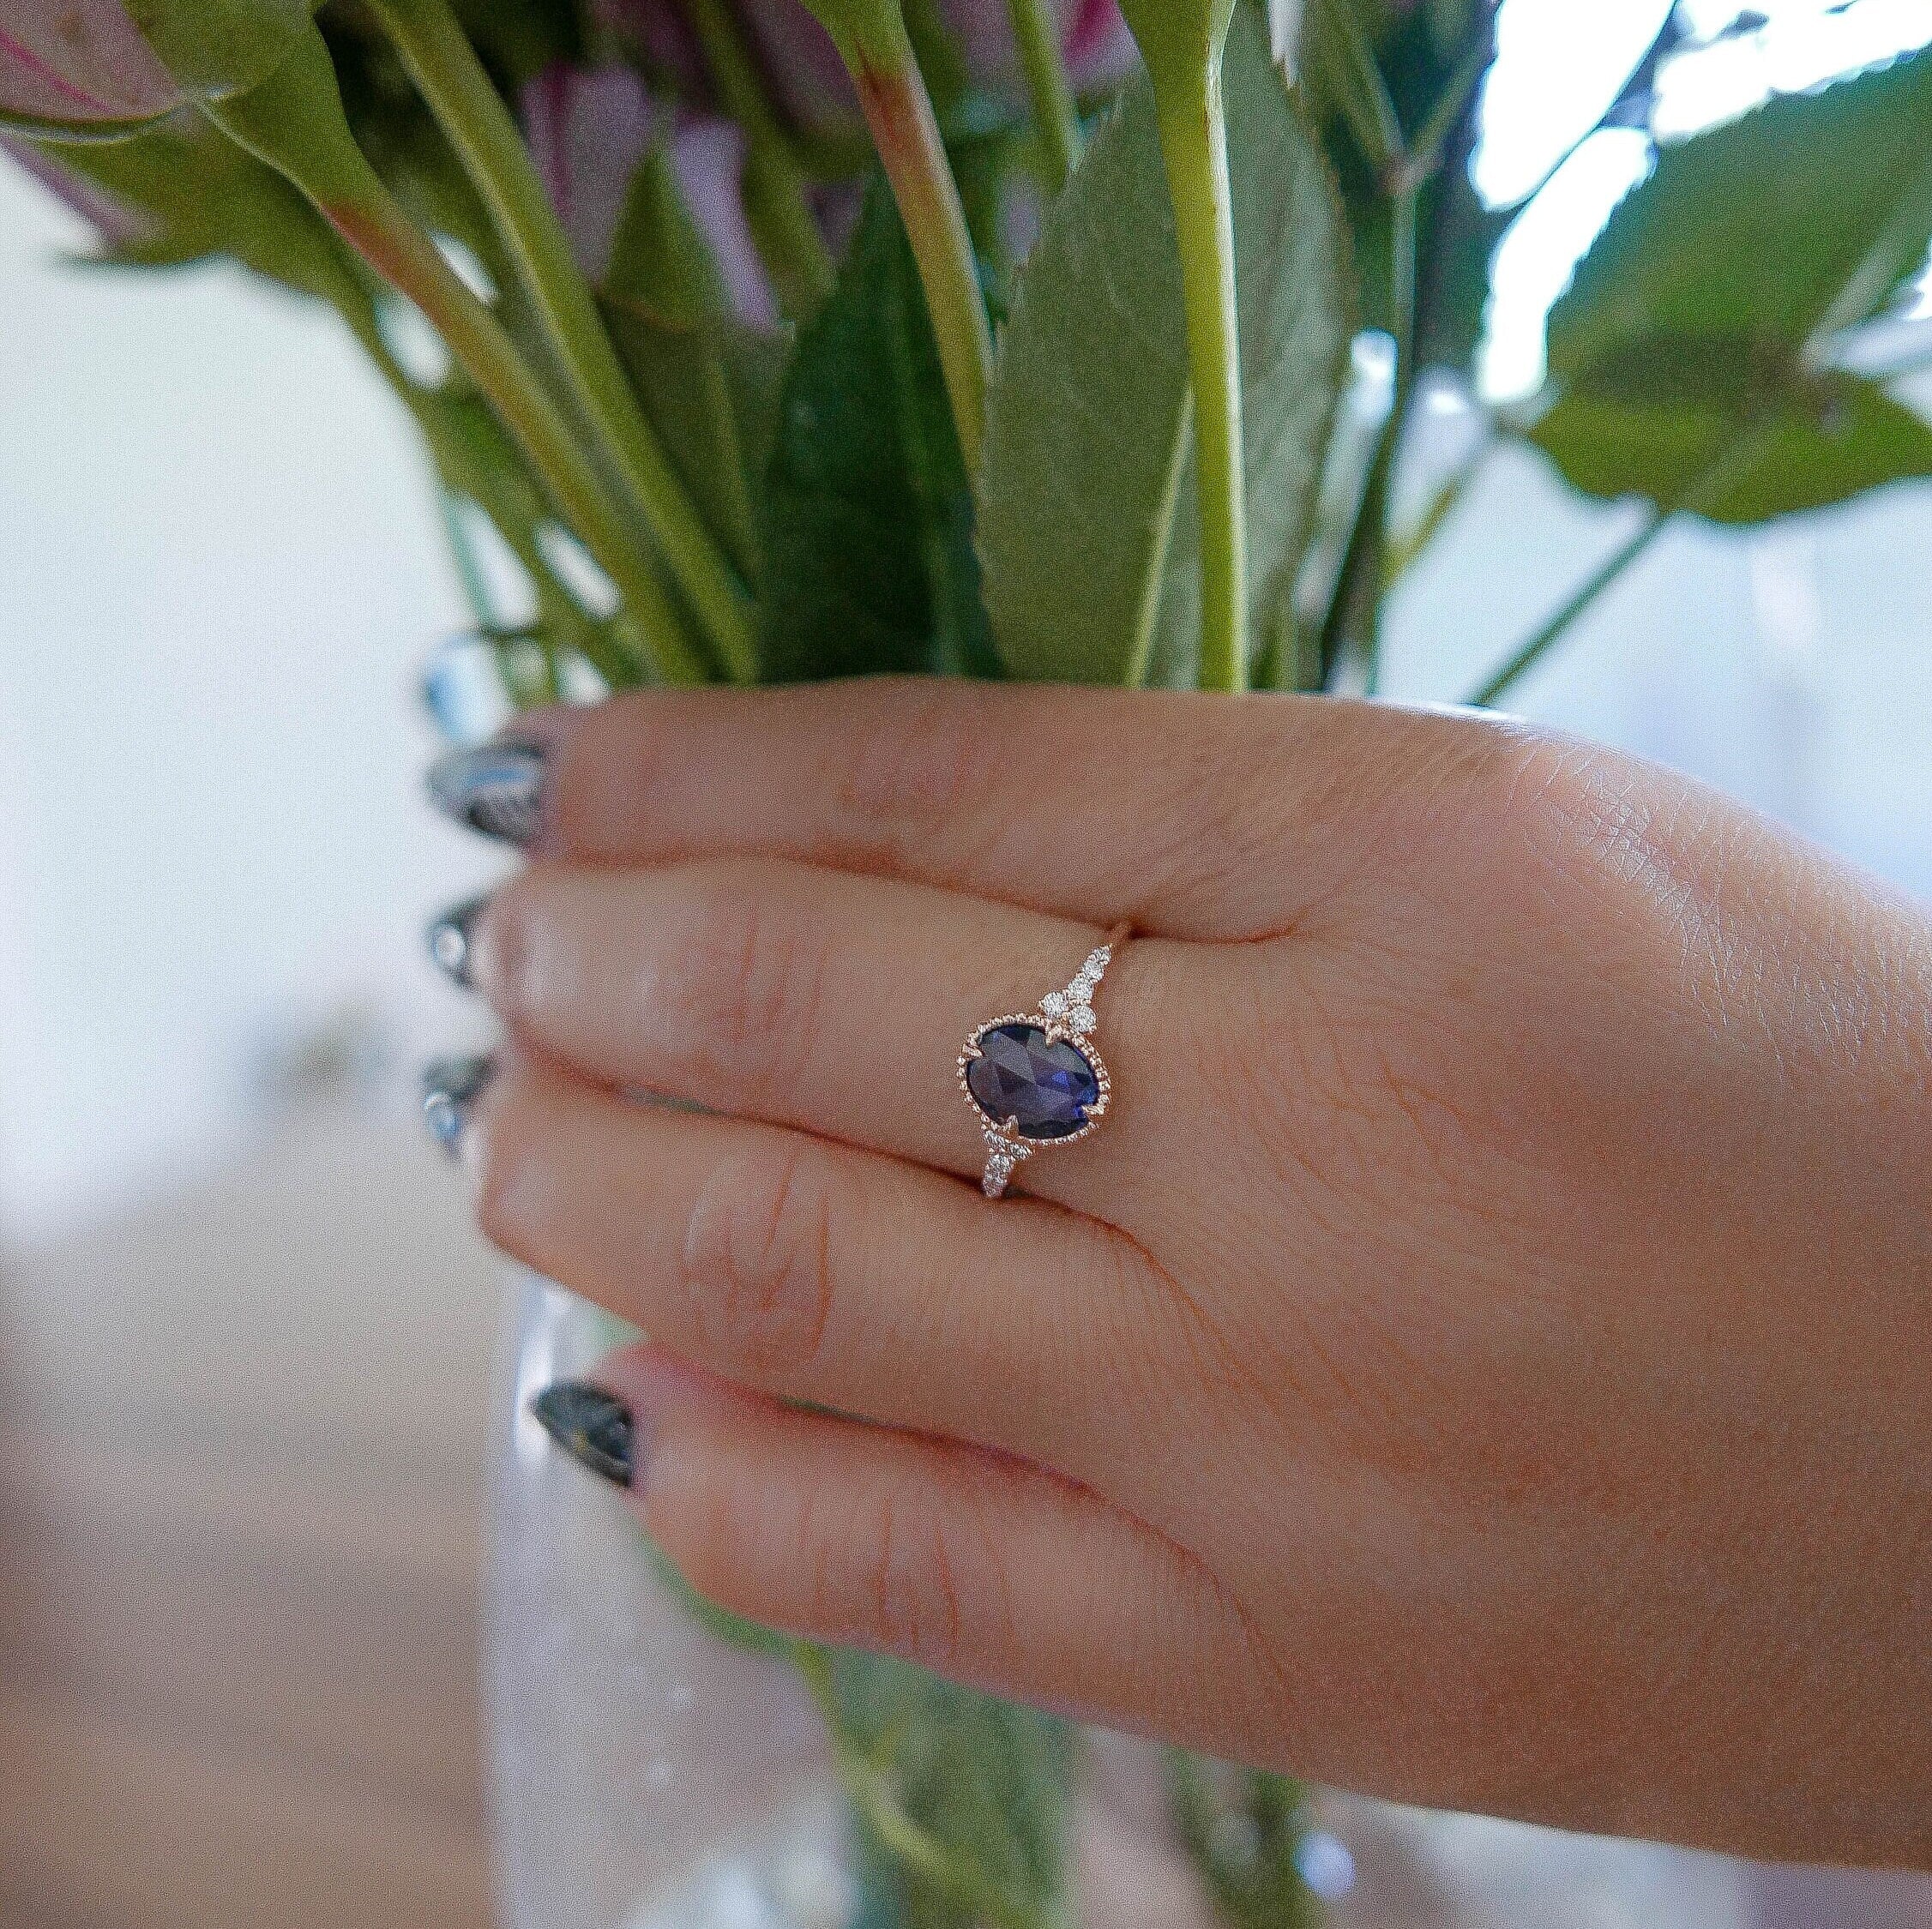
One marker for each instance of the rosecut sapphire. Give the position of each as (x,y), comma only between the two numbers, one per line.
(1045,1085)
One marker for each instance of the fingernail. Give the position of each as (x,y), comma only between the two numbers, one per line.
(496,789)
(451,940)
(451,1087)
(592,1427)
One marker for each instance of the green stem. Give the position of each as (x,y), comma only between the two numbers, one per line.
(1055,117)
(1531,652)
(1355,610)
(781,219)
(870,1793)
(1400,556)
(293,121)
(1193,143)
(1734,456)
(460,478)
(899,112)
(472,113)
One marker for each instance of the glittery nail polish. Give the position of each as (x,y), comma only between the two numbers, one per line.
(496,789)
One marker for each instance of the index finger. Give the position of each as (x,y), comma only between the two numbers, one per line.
(1207,817)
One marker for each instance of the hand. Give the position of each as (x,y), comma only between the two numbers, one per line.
(1482,1357)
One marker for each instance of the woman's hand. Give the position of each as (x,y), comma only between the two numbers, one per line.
(1482,1358)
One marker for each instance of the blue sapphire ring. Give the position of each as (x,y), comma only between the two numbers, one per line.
(1033,1079)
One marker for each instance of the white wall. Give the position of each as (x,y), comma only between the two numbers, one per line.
(220,566)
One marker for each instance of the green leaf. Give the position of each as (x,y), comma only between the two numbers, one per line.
(1806,441)
(989,1782)
(205,196)
(1088,534)
(708,383)
(1686,356)
(866,523)
(1808,211)
(215,48)
(710,390)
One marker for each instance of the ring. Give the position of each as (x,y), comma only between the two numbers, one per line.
(1033,1079)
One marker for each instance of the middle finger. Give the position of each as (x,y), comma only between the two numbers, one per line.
(824,1000)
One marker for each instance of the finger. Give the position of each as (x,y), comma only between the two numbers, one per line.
(1187,816)
(820,1273)
(831,1001)
(979,1567)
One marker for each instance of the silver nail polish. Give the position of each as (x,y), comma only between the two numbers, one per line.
(451,941)
(451,1087)
(496,789)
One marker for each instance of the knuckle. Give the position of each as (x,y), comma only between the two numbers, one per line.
(758,1260)
(912,766)
(903,1594)
(1646,865)
(1590,820)
(743,987)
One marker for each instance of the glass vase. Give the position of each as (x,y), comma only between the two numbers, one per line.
(648,1773)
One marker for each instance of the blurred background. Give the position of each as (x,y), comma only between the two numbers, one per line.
(245,1331)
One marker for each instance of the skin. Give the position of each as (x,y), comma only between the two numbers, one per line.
(1481,1359)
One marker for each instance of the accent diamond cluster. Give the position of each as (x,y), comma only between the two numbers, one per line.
(1074,1007)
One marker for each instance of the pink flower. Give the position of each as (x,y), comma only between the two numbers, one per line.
(81,62)
(589,130)
(810,81)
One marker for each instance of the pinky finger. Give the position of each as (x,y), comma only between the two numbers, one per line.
(981,1568)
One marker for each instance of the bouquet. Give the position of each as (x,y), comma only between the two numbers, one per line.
(783,339)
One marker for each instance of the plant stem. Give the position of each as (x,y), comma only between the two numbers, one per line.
(1734,456)
(1195,145)
(1056,118)
(461,478)
(774,183)
(1531,652)
(1402,555)
(869,1792)
(1405,210)
(385,238)
(293,121)
(1355,614)
(472,113)
(899,110)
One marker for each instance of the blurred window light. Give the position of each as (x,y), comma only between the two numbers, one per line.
(1800,44)
(1559,68)
(1536,259)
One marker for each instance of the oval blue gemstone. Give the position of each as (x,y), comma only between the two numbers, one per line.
(1043,1085)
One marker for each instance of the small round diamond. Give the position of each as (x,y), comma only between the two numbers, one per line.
(1080,1019)
(1054,1003)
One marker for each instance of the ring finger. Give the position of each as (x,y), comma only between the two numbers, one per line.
(826,1000)
(816,1272)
